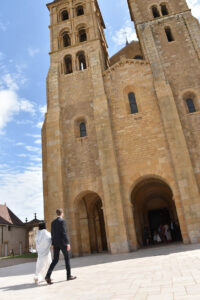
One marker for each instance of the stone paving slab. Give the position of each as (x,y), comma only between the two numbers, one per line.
(166,273)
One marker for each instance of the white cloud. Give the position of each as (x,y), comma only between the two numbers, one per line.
(3,27)
(43,109)
(20,144)
(10,102)
(3,166)
(33,51)
(8,107)
(32,149)
(27,106)
(39,124)
(1,55)
(24,122)
(33,135)
(31,157)
(22,155)
(127,32)
(10,82)
(22,192)
(38,141)
(35,158)
(195,6)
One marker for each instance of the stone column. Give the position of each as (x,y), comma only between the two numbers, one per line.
(132,238)
(75,237)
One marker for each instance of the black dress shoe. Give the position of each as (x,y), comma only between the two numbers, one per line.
(48,280)
(71,277)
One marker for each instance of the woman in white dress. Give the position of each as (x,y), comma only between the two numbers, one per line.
(43,245)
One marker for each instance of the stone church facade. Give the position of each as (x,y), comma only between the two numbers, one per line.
(121,145)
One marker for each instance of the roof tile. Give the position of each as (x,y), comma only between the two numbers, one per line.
(8,217)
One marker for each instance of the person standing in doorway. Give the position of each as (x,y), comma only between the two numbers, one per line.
(60,242)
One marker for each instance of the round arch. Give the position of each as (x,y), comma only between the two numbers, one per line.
(153,210)
(90,224)
(144,178)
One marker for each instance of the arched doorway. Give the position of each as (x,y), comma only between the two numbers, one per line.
(91,233)
(153,209)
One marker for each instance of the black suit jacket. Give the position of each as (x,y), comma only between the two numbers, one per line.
(58,233)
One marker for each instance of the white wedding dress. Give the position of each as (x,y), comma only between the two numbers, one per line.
(43,244)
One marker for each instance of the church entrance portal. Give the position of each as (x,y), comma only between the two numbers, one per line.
(154,213)
(90,225)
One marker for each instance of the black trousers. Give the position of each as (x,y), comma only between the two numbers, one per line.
(56,252)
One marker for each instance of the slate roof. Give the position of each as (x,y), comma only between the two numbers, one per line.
(7,217)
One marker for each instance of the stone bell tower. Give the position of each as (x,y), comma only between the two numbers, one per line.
(79,160)
(170,40)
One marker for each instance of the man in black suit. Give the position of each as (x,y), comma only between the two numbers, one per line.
(60,242)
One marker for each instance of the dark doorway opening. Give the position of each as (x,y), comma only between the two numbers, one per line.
(154,213)
(158,217)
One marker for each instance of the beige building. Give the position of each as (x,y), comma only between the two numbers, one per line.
(121,146)
(13,233)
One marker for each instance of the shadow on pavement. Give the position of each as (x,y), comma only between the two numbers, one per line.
(25,286)
(97,259)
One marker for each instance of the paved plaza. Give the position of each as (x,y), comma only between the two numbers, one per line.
(165,273)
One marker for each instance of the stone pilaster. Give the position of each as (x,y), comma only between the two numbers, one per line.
(113,208)
(53,177)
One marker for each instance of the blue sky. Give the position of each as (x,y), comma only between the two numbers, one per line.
(24,63)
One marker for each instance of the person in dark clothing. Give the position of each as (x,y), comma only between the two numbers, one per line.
(59,242)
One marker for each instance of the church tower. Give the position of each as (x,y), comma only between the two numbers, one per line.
(121,135)
(80,171)
(170,40)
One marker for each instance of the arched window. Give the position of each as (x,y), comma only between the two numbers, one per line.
(138,57)
(66,40)
(68,64)
(81,61)
(64,15)
(190,105)
(155,12)
(79,10)
(164,9)
(83,131)
(82,35)
(169,34)
(132,103)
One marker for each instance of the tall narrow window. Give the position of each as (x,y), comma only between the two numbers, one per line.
(82,35)
(83,131)
(82,61)
(169,34)
(164,9)
(79,10)
(132,103)
(64,15)
(190,105)
(155,12)
(68,64)
(66,40)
